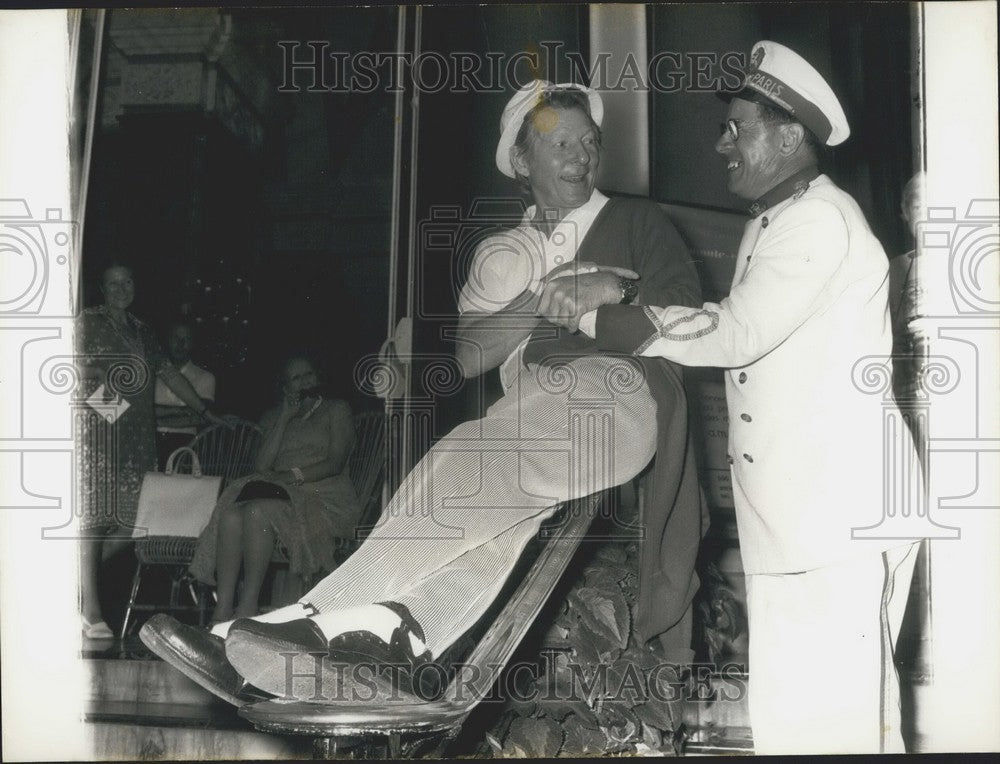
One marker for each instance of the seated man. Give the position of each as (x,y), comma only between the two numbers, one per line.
(176,424)
(449,538)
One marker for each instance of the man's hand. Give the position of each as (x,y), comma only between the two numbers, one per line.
(569,293)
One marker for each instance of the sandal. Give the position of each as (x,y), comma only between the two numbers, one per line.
(99,630)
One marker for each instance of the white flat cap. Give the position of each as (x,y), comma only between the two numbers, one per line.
(523,101)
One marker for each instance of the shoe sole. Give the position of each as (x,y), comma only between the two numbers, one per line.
(291,671)
(161,647)
(263,663)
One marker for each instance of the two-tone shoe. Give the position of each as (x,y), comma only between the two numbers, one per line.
(296,660)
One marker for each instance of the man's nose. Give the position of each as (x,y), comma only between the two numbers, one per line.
(582,155)
(723,144)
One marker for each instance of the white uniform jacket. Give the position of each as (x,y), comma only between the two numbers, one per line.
(808,302)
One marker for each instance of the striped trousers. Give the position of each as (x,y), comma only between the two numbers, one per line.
(447,541)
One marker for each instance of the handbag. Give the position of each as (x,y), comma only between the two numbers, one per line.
(174,504)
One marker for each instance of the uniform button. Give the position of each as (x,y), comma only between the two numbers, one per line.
(743,377)
(746,417)
(748,258)
(729,459)
(748,458)
(763,222)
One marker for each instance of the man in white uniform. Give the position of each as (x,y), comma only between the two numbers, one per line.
(176,424)
(808,302)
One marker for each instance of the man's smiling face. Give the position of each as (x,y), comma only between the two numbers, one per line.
(562,159)
(755,162)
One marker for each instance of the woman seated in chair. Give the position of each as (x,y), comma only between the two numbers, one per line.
(300,495)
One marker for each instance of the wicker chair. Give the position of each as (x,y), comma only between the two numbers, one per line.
(227,451)
(367,469)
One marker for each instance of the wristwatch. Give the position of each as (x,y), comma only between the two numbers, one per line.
(630,289)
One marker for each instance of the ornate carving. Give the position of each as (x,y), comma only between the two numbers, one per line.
(164,31)
(189,58)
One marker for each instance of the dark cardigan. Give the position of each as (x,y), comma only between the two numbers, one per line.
(636,234)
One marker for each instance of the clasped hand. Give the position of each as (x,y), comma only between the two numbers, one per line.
(574,289)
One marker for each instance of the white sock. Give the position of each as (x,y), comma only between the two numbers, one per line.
(378,619)
(281,615)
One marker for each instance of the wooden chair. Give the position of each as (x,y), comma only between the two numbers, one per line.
(405,725)
(224,451)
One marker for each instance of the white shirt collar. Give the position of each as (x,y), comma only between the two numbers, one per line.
(587,210)
(561,245)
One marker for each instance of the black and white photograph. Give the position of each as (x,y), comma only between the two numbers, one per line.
(499,381)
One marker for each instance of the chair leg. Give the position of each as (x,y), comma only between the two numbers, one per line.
(394,745)
(197,597)
(136,580)
(202,602)
(445,740)
(324,748)
(175,589)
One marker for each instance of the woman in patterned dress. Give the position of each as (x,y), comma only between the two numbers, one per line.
(118,356)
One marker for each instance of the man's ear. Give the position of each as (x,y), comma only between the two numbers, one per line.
(793,135)
(518,162)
